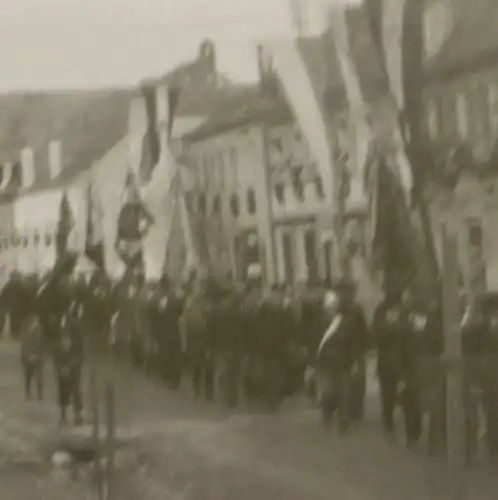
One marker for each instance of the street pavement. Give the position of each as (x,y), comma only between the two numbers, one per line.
(192,450)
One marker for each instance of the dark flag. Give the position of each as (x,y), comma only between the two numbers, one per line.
(64,227)
(151,150)
(393,243)
(94,245)
(133,225)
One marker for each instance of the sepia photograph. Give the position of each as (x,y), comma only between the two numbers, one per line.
(248,250)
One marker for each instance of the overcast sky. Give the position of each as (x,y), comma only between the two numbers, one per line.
(87,43)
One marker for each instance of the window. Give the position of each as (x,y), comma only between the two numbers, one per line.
(310,249)
(36,239)
(251,201)
(319,187)
(475,234)
(48,240)
(288,254)
(462,116)
(280,192)
(234,205)
(25,242)
(202,203)
(221,169)
(216,205)
(297,182)
(233,158)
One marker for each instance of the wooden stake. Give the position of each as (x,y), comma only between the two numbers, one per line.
(455,410)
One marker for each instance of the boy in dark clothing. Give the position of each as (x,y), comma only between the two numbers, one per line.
(32,356)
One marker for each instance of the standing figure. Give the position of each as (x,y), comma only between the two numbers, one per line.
(69,362)
(333,365)
(32,356)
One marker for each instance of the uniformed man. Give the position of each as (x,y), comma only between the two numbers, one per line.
(165,324)
(32,356)
(388,332)
(69,360)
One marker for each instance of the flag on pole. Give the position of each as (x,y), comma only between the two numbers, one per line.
(360,135)
(65,226)
(134,222)
(151,147)
(304,91)
(174,94)
(94,245)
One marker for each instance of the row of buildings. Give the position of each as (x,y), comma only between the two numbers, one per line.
(254,183)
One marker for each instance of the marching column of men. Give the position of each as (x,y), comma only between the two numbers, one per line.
(241,343)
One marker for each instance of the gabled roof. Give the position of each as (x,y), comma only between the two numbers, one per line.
(240,109)
(88,123)
(252,106)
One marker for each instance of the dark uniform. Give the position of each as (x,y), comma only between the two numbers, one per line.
(32,354)
(69,360)
(388,331)
(165,312)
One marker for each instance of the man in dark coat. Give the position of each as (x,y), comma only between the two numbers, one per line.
(69,354)
(388,331)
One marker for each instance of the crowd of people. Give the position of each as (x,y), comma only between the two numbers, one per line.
(243,344)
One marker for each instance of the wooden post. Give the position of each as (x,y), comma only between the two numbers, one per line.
(111,437)
(455,410)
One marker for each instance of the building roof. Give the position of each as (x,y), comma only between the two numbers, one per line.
(473,41)
(250,105)
(88,123)
(240,109)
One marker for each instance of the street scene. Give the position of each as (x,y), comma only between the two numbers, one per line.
(249,251)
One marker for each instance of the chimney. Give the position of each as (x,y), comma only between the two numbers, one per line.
(55,158)
(28,167)
(207,54)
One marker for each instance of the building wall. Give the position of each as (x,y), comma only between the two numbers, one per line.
(7,251)
(464,109)
(35,219)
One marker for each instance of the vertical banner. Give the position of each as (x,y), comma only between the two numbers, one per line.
(305,95)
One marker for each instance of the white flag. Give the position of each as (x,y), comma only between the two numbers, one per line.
(305,94)
(393,13)
(360,136)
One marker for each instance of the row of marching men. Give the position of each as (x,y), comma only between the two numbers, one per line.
(238,342)
(412,368)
